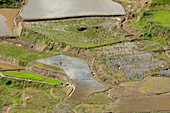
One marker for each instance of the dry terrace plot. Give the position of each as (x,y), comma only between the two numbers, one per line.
(140,104)
(44,9)
(5,66)
(148,86)
(7,21)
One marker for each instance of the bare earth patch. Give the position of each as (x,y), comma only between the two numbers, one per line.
(5,66)
(140,104)
(148,86)
(10,14)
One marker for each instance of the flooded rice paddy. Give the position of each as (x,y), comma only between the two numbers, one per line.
(43,9)
(129,61)
(79,71)
(134,66)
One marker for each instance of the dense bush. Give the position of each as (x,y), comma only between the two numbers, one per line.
(11,3)
(160,2)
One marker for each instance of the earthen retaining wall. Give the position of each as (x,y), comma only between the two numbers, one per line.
(10,60)
(50,74)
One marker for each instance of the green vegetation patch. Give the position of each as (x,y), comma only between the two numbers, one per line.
(160,2)
(162,17)
(21,53)
(154,23)
(11,3)
(37,96)
(31,76)
(85,33)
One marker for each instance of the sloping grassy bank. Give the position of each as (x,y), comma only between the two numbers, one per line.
(39,97)
(21,53)
(154,22)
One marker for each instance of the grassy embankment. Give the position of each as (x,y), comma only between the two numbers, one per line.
(154,23)
(21,53)
(31,76)
(67,31)
(39,96)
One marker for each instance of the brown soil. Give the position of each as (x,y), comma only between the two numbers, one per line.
(122,91)
(148,86)
(10,14)
(140,104)
(6,66)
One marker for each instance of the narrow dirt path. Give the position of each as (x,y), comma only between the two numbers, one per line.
(6,109)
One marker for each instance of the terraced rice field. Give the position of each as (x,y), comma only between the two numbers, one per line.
(43,9)
(141,104)
(5,66)
(79,71)
(80,32)
(150,85)
(7,21)
(31,76)
(128,61)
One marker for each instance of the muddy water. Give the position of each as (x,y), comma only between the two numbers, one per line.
(4,29)
(43,9)
(79,71)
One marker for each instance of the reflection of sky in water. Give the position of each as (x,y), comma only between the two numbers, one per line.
(134,66)
(78,70)
(166,71)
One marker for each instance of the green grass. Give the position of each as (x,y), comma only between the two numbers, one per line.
(21,52)
(40,100)
(31,76)
(162,17)
(154,23)
(13,50)
(67,31)
(160,2)
(11,3)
